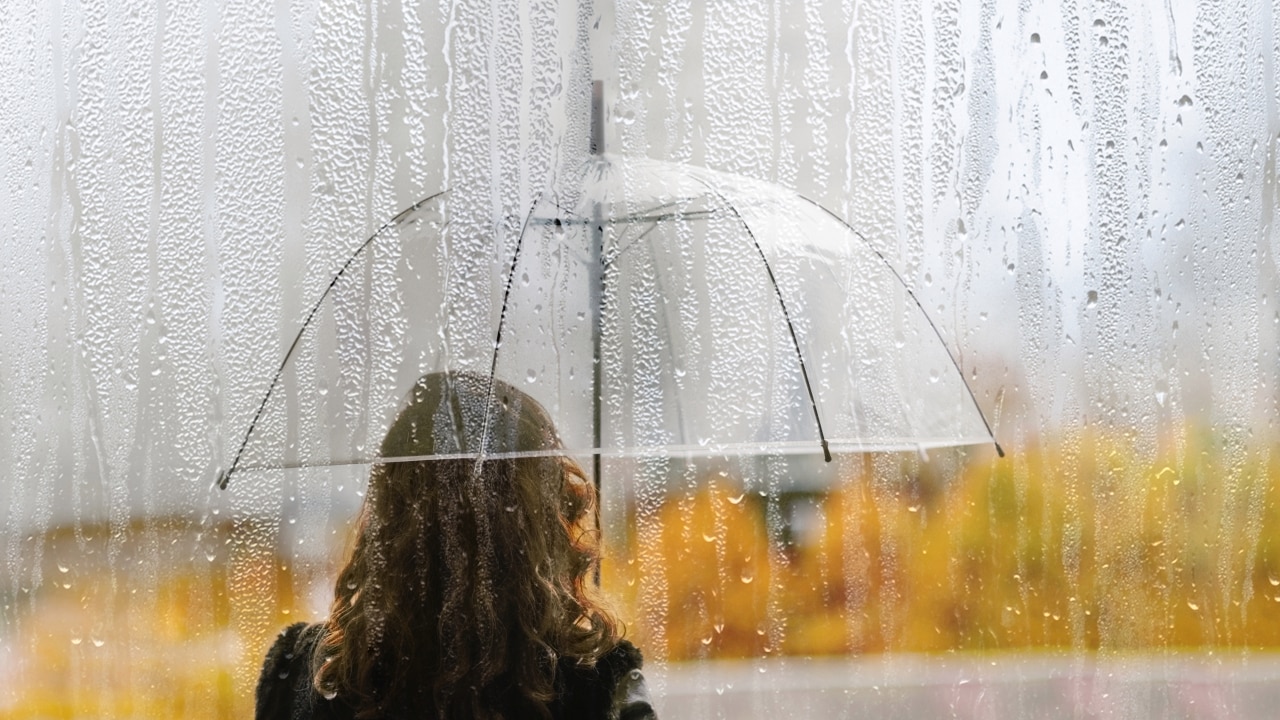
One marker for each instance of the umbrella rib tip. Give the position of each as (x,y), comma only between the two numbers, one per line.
(826,450)
(999,450)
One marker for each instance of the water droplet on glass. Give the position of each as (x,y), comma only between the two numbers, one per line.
(1092,299)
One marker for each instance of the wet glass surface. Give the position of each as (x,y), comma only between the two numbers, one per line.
(1081,199)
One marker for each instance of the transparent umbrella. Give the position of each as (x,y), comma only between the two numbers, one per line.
(651,307)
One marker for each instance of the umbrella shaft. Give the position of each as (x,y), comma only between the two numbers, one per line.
(596,296)
(597,361)
(596,279)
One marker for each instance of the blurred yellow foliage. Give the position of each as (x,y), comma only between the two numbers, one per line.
(1078,545)
(1081,544)
(137,620)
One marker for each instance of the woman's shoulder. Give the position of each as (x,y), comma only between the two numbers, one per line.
(614,686)
(623,658)
(292,640)
(284,686)
(292,648)
(630,697)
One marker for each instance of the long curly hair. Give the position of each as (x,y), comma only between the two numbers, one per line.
(468,579)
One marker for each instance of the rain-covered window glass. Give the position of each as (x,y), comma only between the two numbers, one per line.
(925,355)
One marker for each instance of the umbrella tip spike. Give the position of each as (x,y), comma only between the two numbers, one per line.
(826,450)
(999,450)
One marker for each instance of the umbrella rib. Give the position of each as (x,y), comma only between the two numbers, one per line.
(642,216)
(916,300)
(627,219)
(566,211)
(795,342)
(654,220)
(613,257)
(502,322)
(647,214)
(226,475)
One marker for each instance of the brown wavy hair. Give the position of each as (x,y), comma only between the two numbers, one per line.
(468,580)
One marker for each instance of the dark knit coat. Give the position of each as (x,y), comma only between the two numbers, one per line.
(612,690)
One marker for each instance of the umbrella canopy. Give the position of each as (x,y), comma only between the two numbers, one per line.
(652,308)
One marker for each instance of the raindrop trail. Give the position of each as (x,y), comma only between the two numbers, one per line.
(225,477)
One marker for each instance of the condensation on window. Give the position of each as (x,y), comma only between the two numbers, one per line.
(1068,210)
